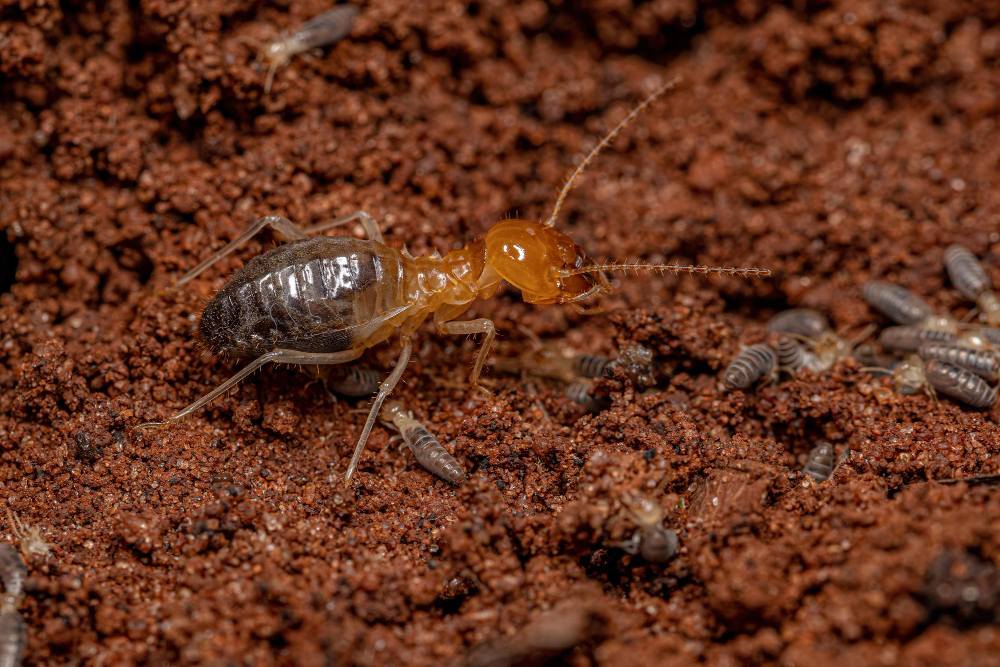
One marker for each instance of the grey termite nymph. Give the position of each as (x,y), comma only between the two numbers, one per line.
(426,448)
(323,30)
(984,363)
(969,278)
(652,541)
(821,462)
(582,394)
(635,360)
(750,365)
(896,302)
(354,381)
(13,635)
(960,384)
(803,322)
(592,365)
(910,338)
(792,357)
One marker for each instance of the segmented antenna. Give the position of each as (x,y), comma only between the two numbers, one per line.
(637,267)
(609,137)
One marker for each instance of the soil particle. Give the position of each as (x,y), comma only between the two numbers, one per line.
(833,143)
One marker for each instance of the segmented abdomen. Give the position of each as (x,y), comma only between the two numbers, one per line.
(984,363)
(750,365)
(960,384)
(909,339)
(316,295)
(820,462)
(965,271)
(432,455)
(799,321)
(896,302)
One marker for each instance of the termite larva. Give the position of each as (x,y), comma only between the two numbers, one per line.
(896,302)
(652,540)
(969,278)
(984,363)
(803,322)
(750,365)
(355,381)
(821,462)
(960,384)
(910,338)
(428,451)
(12,573)
(582,394)
(323,30)
(792,357)
(324,301)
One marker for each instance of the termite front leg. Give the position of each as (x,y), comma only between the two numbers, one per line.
(383,392)
(480,326)
(275,356)
(285,228)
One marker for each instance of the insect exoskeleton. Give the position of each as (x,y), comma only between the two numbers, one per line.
(896,302)
(910,338)
(652,541)
(325,300)
(426,448)
(985,363)
(792,356)
(803,322)
(328,28)
(962,385)
(750,365)
(821,461)
(971,280)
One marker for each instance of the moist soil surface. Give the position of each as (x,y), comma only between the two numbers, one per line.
(832,142)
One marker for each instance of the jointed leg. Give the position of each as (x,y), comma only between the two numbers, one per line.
(383,392)
(483,326)
(367,223)
(275,356)
(285,228)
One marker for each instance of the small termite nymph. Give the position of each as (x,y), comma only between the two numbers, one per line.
(803,322)
(323,30)
(960,384)
(821,462)
(652,541)
(355,381)
(984,363)
(969,278)
(13,634)
(792,357)
(896,302)
(325,300)
(428,451)
(635,360)
(750,365)
(581,393)
(910,338)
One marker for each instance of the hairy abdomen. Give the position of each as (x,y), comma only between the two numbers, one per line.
(317,295)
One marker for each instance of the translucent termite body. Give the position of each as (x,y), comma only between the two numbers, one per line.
(355,381)
(970,278)
(582,393)
(750,365)
(13,638)
(325,300)
(13,635)
(896,302)
(960,384)
(323,30)
(426,448)
(652,541)
(592,365)
(792,357)
(803,322)
(821,461)
(984,363)
(911,338)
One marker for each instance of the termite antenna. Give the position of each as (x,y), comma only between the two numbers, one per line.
(608,138)
(635,267)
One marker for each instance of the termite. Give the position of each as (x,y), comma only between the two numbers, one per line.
(969,278)
(428,451)
(13,635)
(582,393)
(355,381)
(799,321)
(896,302)
(323,30)
(652,541)
(792,357)
(910,338)
(823,347)
(325,300)
(960,384)
(984,363)
(821,462)
(635,360)
(750,365)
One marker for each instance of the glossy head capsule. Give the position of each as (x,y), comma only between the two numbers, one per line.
(984,363)
(965,271)
(896,302)
(750,365)
(800,322)
(960,384)
(820,462)
(910,338)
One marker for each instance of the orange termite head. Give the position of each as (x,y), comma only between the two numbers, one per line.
(533,258)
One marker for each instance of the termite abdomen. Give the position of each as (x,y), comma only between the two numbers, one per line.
(750,365)
(658,544)
(582,394)
(800,322)
(355,381)
(13,637)
(965,271)
(792,356)
(12,571)
(960,384)
(896,302)
(820,462)
(592,365)
(981,362)
(910,338)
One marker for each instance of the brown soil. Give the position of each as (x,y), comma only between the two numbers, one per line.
(830,141)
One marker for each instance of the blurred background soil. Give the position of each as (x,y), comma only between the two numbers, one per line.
(829,141)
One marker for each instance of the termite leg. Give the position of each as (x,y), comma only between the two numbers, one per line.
(383,392)
(480,326)
(285,228)
(367,223)
(275,356)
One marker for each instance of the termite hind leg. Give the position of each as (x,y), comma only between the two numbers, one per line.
(285,228)
(275,356)
(367,223)
(480,326)
(383,392)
